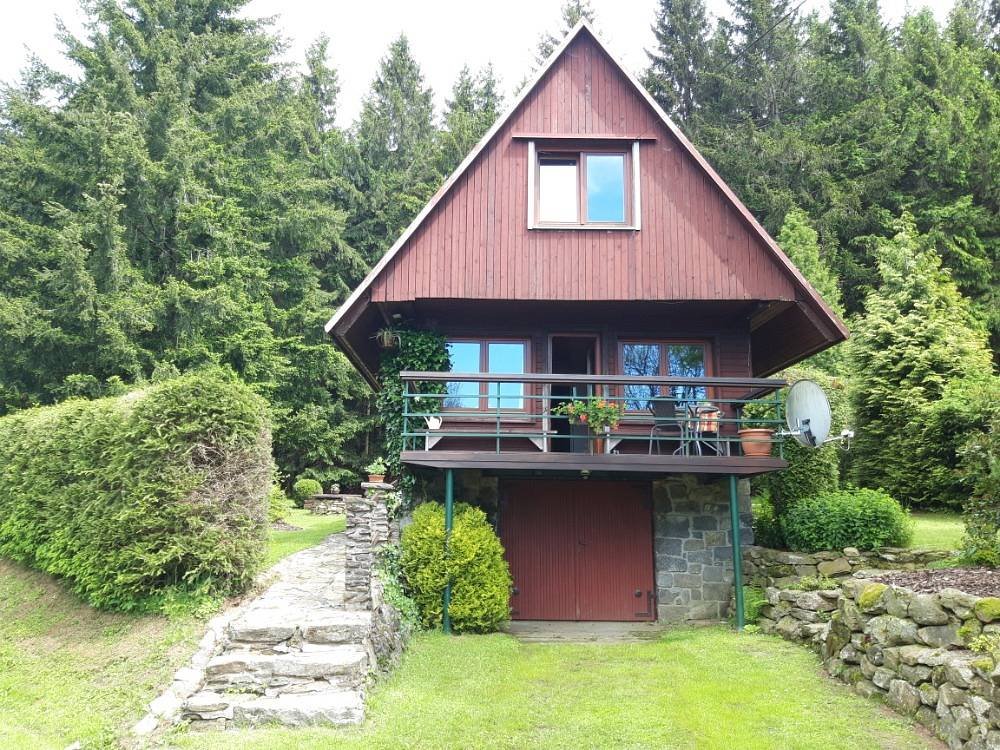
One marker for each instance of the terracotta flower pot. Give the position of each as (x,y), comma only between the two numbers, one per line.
(597,445)
(756,441)
(376,478)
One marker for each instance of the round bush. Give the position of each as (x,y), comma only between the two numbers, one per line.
(852,517)
(143,497)
(304,489)
(480,579)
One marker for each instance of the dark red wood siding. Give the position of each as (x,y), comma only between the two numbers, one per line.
(579,550)
(692,245)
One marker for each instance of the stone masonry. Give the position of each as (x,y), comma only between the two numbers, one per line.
(692,537)
(326,505)
(933,657)
(301,653)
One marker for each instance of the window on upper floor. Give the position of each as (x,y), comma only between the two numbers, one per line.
(482,355)
(588,189)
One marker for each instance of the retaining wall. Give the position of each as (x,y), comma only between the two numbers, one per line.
(774,567)
(908,649)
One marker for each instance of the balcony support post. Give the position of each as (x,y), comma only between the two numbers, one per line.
(449,517)
(734,512)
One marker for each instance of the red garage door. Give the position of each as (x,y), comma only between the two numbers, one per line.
(579,550)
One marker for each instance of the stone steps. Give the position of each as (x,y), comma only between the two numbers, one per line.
(342,665)
(336,707)
(265,627)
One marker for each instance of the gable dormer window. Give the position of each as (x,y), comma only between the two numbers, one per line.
(585,188)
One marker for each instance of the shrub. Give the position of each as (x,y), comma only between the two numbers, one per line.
(304,489)
(860,518)
(278,504)
(137,499)
(481,583)
(753,601)
(388,568)
(766,526)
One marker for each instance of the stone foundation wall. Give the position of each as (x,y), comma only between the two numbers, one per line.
(692,539)
(327,505)
(909,650)
(774,567)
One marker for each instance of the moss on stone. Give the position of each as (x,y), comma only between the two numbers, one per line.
(871,596)
(969,630)
(988,609)
(983,665)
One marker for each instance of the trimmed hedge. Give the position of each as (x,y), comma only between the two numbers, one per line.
(303,489)
(481,582)
(139,498)
(862,518)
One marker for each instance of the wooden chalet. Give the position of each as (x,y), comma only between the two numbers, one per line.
(586,251)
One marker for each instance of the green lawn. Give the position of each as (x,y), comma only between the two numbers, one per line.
(937,530)
(704,688)
(312,530)
(69,672)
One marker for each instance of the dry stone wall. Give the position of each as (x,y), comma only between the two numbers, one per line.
(908,649)
(774,567)
(327,505)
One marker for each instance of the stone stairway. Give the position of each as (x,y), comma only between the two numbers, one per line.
(301,653)
(297,655)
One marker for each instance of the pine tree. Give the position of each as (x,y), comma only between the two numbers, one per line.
(678,62)
(918,335)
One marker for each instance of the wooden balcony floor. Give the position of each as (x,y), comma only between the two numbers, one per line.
(607,462)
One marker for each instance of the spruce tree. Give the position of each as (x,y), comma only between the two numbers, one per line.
(180,207)
(679,60)
(393,156)
(475,104)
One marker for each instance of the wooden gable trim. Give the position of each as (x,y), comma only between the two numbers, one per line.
(588,137)
(830,323)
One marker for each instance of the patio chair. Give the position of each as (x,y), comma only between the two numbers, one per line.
(668,416)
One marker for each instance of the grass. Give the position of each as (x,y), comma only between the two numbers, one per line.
(69,672)
(312,530)
(937,530)
(695,688)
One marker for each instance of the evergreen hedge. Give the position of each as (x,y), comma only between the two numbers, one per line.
(139,498)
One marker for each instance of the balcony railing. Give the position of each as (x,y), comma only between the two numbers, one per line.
(674,416)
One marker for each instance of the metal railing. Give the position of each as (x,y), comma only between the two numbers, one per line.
(659,415)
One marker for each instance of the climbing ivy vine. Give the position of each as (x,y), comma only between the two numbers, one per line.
(415,350)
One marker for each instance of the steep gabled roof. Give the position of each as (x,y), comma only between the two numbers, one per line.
(814,306)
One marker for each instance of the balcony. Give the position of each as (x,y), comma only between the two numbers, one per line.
(523,423)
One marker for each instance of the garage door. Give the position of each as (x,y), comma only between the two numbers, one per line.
(579,550)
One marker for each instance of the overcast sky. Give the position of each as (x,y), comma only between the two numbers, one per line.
(444,35)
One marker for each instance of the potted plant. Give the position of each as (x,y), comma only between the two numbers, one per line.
(376,471)
(600,415)
(387,338)
(756,434)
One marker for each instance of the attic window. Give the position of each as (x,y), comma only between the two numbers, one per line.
(583,189)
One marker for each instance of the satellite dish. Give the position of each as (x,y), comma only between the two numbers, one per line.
(807,412)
